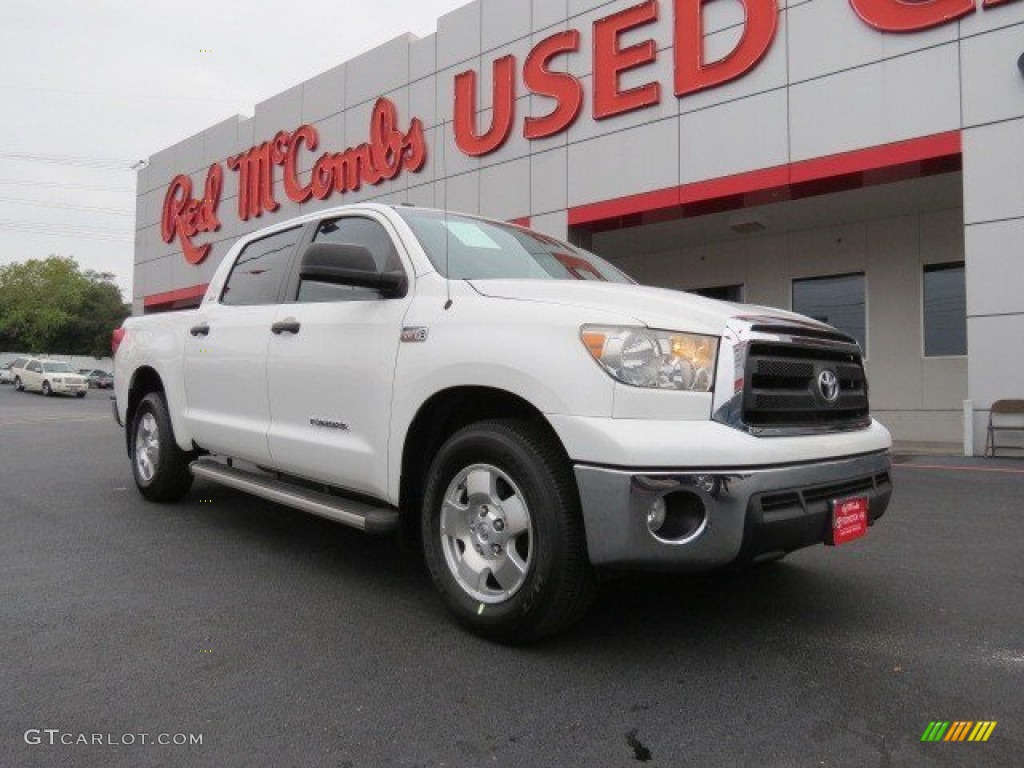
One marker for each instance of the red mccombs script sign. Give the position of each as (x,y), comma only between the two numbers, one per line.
(390,150)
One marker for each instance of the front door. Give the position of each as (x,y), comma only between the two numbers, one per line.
(330,375)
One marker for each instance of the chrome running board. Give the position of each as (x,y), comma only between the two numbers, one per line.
(357,514)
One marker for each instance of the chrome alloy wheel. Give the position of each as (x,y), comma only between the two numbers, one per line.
(147,447)
(486,533)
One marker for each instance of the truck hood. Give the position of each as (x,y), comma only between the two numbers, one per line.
(654,307)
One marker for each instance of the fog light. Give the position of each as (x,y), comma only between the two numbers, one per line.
(656,515)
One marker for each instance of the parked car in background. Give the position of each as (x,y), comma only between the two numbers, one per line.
(51,377)
(6,376)
(97,378)
(14,369)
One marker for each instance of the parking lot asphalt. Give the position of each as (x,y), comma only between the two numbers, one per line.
(285,640)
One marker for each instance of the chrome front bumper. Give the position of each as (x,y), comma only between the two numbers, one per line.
(751,513)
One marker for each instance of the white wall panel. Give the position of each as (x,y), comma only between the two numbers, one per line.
(423,101)
(625,163)
(377,72)
(996,362)
(458,35)
(549,12)
(903,98)
(505,190)
(942,236)
(324,95)
(991,77)
(994,172)
(503,21)
(995,269)
(991,19)
(460,193)
(219,141)
(278,113)
(828,36)
(743,135)
(554,224)
(422,57)
(549,182)
(188,155)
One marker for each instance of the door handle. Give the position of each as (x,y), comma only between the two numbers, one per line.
(200,330)
(291,325)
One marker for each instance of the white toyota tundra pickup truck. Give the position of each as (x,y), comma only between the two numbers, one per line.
(517,406)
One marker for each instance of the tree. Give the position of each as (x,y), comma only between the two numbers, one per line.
(50,305)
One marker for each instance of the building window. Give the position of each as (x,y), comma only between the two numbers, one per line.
(260,272)
(839,300)
(945,310)
(732,293)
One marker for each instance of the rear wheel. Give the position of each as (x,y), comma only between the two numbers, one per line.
(159,466)
(47,392)
(502,533)
(18,386)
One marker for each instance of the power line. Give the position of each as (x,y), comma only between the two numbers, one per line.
(95,163)
(67,206)
(125,97)
(64,185)
(66,230)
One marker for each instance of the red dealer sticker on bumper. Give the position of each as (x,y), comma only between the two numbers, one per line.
(849,520)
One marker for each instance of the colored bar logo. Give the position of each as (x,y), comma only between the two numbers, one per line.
(958,730)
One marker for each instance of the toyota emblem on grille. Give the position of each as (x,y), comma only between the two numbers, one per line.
(828,385)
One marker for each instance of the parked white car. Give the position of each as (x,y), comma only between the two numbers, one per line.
(9,371)
(51,377)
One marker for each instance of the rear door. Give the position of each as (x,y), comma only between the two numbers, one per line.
(331,379)
(226,351)
(32,375)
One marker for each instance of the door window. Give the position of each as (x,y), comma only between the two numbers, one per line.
(261,270)
(352,230)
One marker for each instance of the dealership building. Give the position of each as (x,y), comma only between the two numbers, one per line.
(859,161)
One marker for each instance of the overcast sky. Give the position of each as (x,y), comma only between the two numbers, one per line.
(115,81)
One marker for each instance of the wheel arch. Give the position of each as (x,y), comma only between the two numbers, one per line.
(145,380)
(440,416)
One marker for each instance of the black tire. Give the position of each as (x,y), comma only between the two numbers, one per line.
(559,583)
(80,394)
(47,392)
(170,478)
(18,386)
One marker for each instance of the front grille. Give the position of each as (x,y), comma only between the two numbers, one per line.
(781,387)
(782,505)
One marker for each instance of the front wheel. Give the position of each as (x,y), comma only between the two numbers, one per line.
(502,532)
(160,467)
(18,386)
(80,394)
(47,392)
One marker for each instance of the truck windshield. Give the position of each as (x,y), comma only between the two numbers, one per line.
(467,248)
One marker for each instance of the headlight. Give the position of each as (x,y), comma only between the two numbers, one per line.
(641,357)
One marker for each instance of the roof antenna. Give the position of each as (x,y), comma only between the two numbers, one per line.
(447,232)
